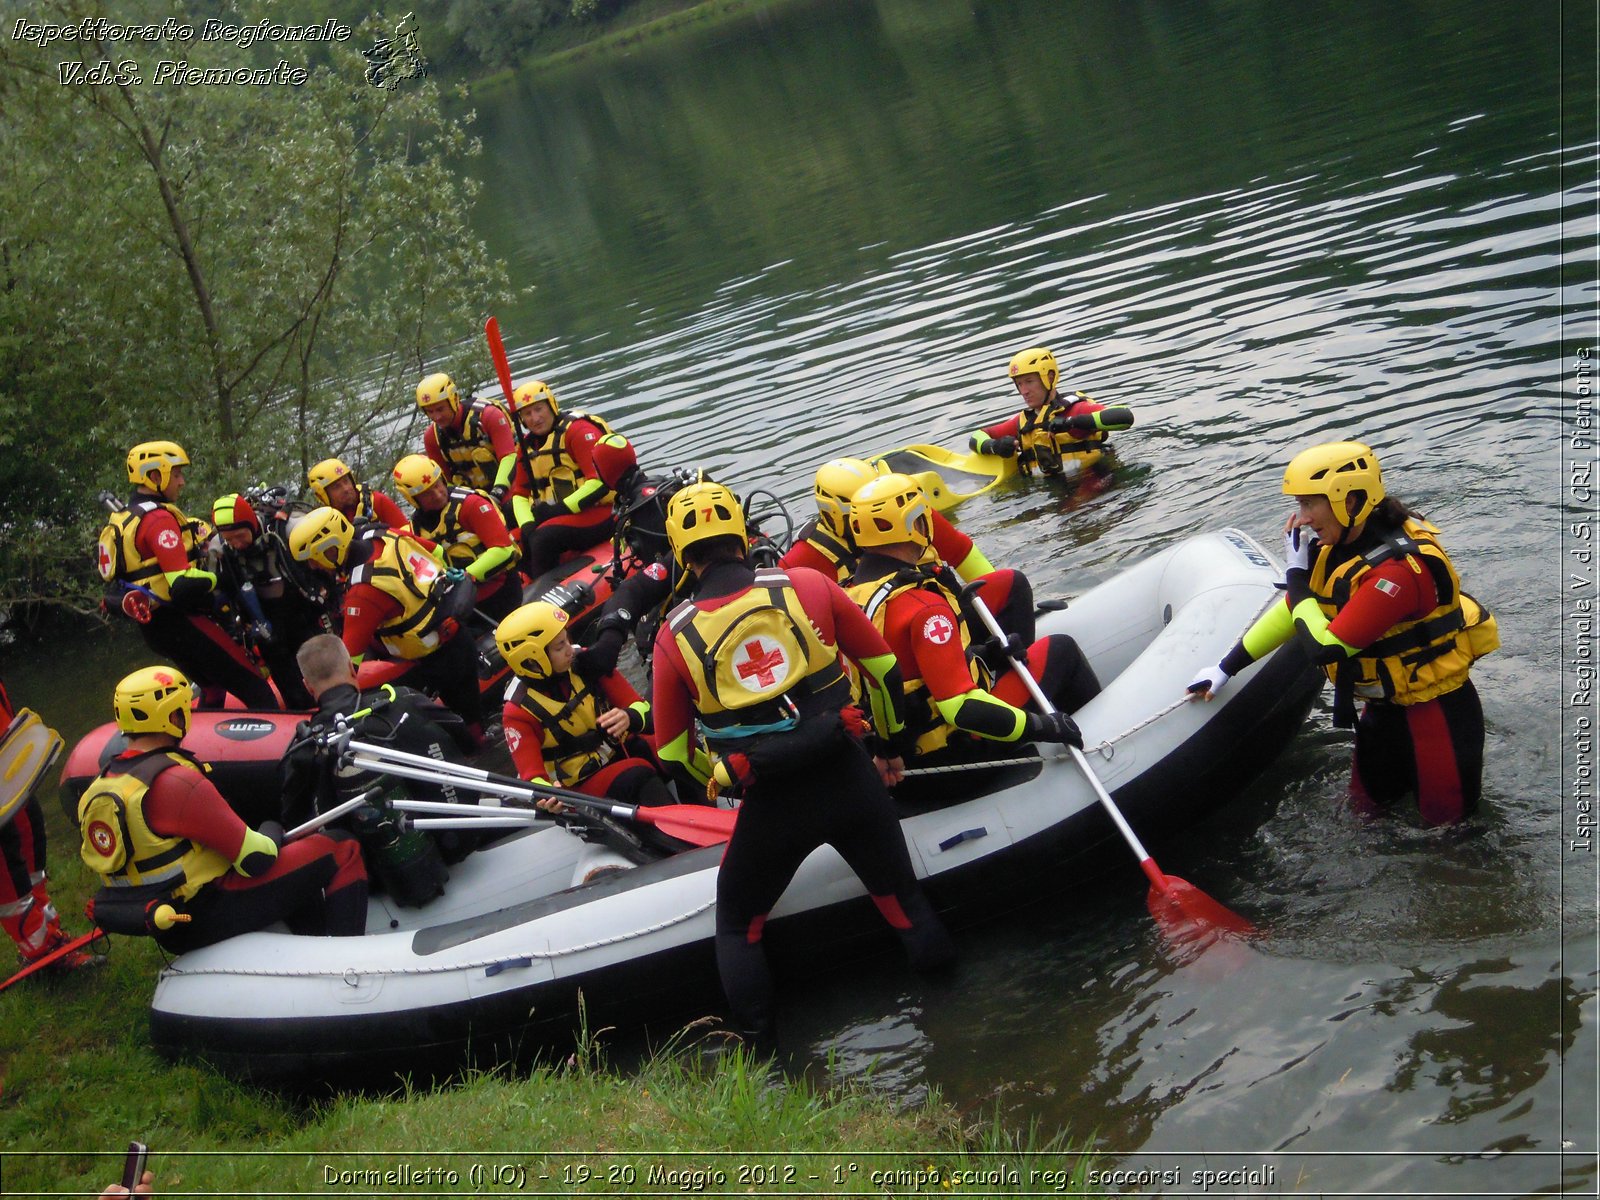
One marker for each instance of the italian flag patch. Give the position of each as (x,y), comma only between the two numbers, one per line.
(1388,587)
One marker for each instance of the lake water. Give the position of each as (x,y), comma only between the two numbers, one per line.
(825,228)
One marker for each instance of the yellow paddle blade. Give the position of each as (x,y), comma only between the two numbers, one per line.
(948,476)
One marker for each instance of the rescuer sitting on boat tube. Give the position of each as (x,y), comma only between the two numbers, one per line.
(400,600)
(1374,599)
(572,727)
(468,527)
(474,442)
(333,484)
(826,544)
(950,693)
(1053,432)
(754,657)
(173,858)
(153,557)
(559,498)
(408,864)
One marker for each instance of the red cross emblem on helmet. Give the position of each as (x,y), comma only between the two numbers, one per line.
(759,663)
(938,629)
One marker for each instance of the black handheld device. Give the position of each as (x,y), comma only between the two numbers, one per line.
(133,1165)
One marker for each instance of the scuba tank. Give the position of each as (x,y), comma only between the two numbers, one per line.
(404,861)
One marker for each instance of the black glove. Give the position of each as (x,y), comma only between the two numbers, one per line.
(1078,423)
(546,509)
(996,652)
(1004,447)
(600,656)
(1053,727)
(500,491)
(191,591)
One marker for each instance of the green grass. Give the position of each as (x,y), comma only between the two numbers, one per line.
(79,1079)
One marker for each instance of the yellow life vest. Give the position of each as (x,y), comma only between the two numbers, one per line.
(555,474)
(366,514)
(1038,447)
(403,570)
(121,848)
(574,745)
(923,719)
(460,545)
(117,553)
(1416,660)
(757,663)
(840,553)
(470,451)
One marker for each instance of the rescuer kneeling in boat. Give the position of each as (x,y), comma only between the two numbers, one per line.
(175,860)
(755,656)
(826,544)
(950,691)
(1054,432)
(410,865)
(399,598)
(469,527)
(572,727)
(1373,599)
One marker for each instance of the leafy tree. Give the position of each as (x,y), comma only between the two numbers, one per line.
(258,271)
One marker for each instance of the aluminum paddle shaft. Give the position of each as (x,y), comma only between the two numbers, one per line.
(1178,906)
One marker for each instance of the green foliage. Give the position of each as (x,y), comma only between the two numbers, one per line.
(260,273)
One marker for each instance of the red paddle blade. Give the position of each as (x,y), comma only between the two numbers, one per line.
(1188,917)
(697,824)
(497,352)
(55,956)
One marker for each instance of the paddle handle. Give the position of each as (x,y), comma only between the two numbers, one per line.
(428,770)
(460,771)
(333,814)
(1043,701)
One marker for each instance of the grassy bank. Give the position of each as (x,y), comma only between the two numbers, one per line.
(79,1079)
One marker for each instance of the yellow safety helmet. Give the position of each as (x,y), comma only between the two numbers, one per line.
(329,470)
(701,511)
(1334,470)
(153,700)
(438,388)
(534,392)
(415,474)
(1036,360)
(837,482)
(524,637)
(150,464)
(322,538)
(889,510)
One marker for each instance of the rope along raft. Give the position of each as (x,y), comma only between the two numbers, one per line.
(346,973)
